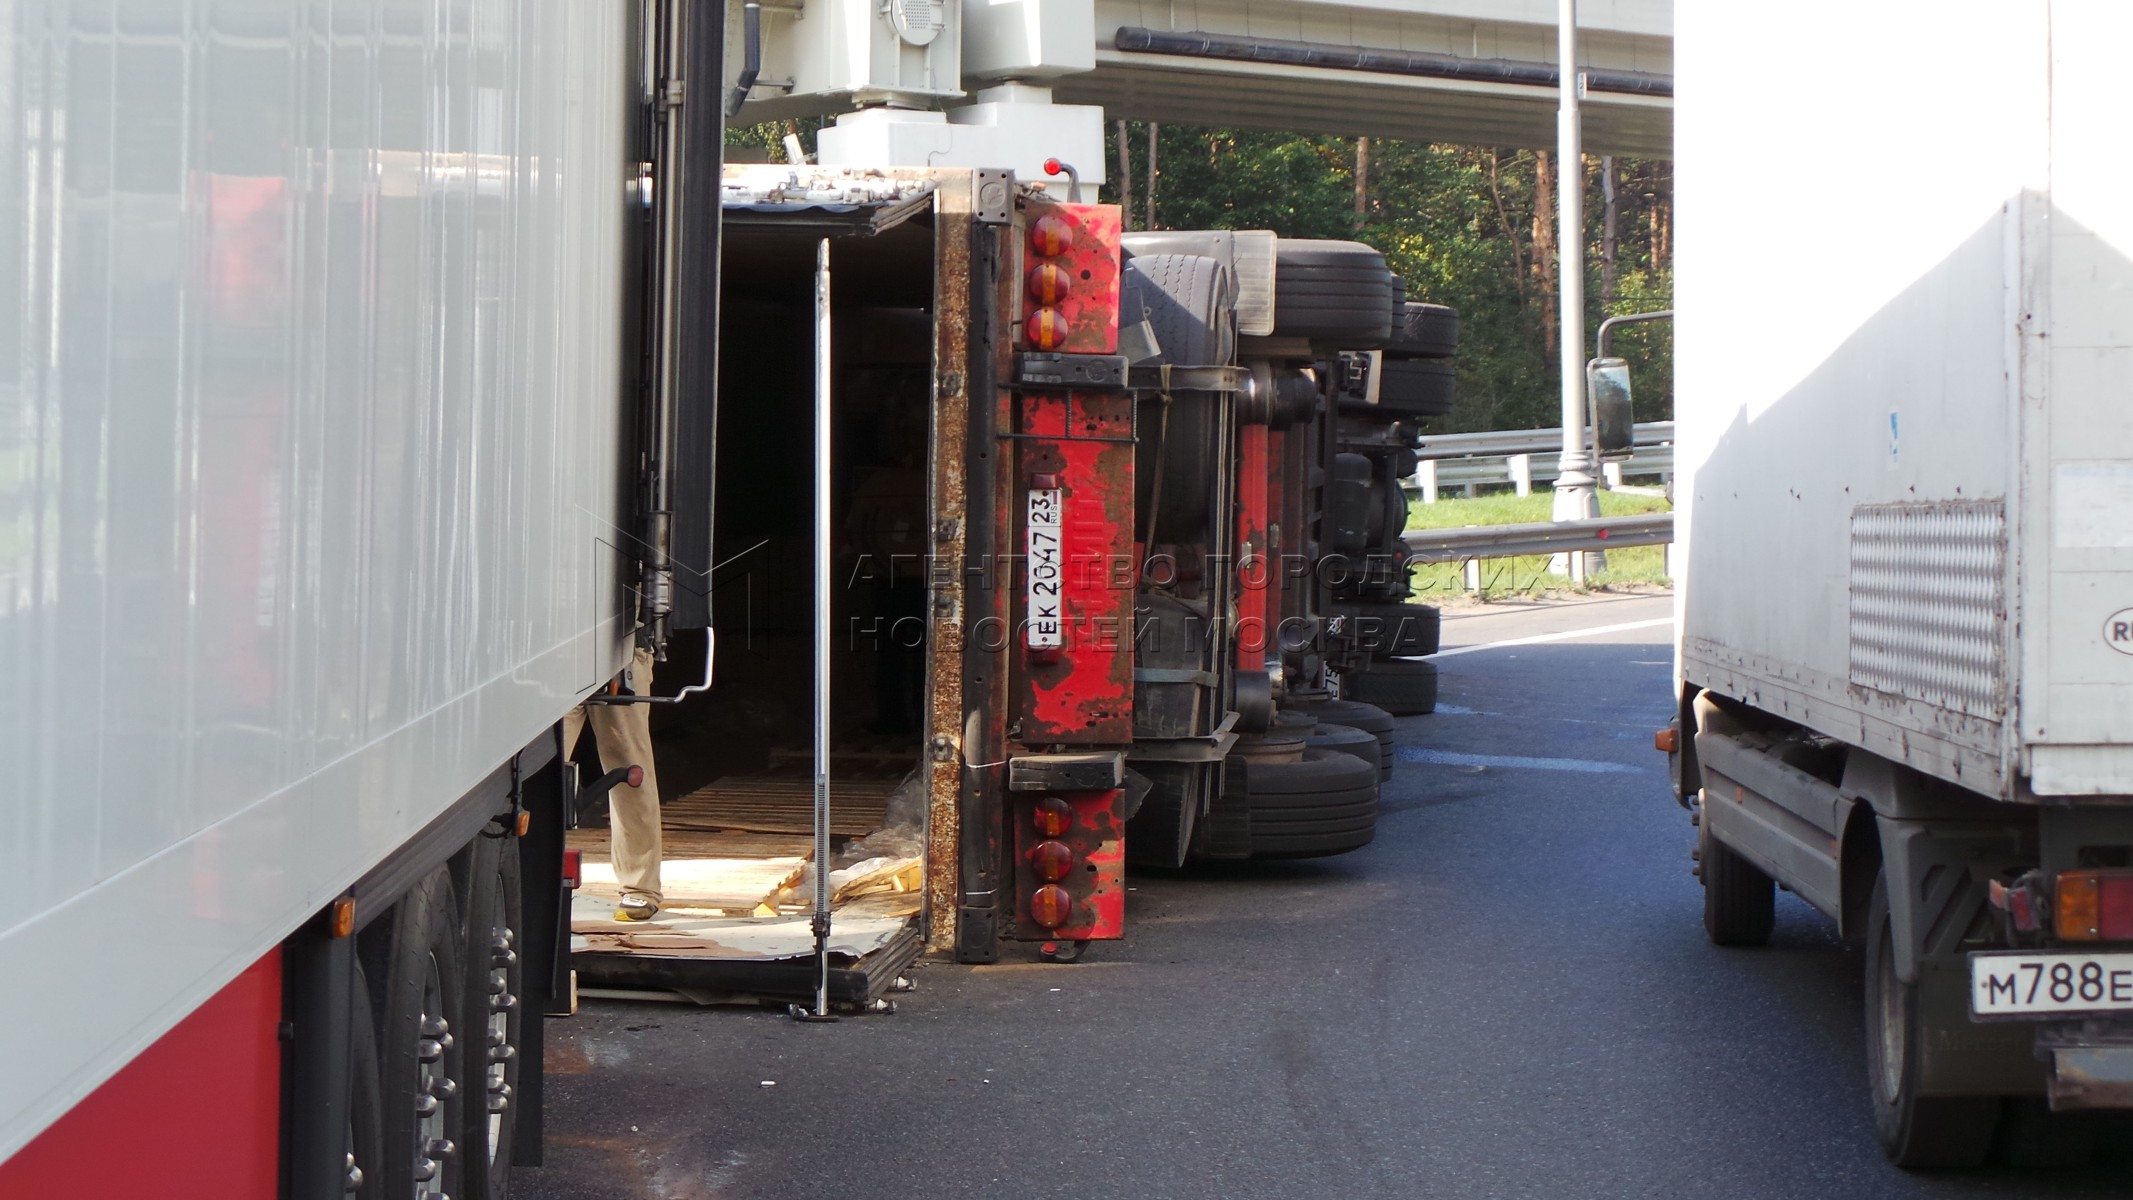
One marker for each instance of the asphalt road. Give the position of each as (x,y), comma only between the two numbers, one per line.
(1508,994)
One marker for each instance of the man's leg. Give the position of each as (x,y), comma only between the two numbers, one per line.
(624,733)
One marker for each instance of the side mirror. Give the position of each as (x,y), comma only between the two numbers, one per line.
(1614,425)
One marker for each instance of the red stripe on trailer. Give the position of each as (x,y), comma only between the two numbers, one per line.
(196,1116)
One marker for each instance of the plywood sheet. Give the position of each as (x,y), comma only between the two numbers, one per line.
(685,935)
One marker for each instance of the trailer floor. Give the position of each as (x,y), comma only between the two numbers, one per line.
(736,920)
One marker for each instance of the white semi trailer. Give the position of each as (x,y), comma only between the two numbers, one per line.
(321,504)
(1905,664)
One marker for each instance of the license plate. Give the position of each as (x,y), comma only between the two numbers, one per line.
(1046,613)
(2024,985)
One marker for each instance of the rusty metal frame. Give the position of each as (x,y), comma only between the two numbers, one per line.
(971,472)
(948,599)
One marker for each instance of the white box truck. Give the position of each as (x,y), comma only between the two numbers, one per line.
(1905,661)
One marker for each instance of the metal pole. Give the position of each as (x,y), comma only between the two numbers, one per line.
(1575,496)
(823,535)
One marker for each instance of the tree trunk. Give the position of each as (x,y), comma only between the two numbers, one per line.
(1544,243)
(1125,179)
(1362,179)
(1510,232)
(1609,210)
(1153,135)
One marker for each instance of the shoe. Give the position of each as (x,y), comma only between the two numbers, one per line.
(636,908)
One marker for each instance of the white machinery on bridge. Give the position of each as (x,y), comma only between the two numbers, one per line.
(1906,512)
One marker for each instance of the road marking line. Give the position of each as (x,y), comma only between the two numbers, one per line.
(1445,758)
(1538,638)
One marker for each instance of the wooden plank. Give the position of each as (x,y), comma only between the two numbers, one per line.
(686,843)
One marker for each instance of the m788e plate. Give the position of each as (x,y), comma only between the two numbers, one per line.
(2057,983)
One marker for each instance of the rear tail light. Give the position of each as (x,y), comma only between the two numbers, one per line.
(2092,906)
(1047,329)
(1051,861)
(1054,817)
(1049,906)
(1049,283)
(573,868)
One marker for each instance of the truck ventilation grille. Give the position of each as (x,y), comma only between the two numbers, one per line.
(1927,602)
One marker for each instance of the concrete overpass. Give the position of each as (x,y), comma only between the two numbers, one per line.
(1633,37)
(1008,82)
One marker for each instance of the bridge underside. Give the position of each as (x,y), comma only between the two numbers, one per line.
(1306,100)
(1230,81)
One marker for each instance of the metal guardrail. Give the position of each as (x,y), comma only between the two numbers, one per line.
(1541,537)
(1574,539)
(1503,443)
(1522,457)
(1522,471)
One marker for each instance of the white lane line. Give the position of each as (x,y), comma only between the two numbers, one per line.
(1538,638)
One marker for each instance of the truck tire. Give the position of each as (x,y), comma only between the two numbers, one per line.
(495,1020)
(421,1055)
(1916,1131)
(1399,686)
(1424,331)
(1422,387)
(1186,298)
(1394,630)
(1739,900)
(1331,291)
(366,1141)
(1325,803)
(1347,739)
(1355,714)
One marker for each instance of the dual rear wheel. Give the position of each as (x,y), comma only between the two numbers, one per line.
(438,1028)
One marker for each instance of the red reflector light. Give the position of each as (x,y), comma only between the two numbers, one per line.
(1049,906)
(1051,861)
(1054,816)
(635,778)
(573,868)
(1046,328)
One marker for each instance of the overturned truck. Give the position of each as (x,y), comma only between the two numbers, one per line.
(1115,516)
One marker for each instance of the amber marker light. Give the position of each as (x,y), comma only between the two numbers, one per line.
(343,919)
(2074,906)
(1667,740)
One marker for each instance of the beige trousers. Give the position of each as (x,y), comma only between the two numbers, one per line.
(622,733)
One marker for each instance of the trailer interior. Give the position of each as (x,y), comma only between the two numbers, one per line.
(735,762)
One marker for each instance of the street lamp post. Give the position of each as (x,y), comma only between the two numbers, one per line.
(1575,497)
